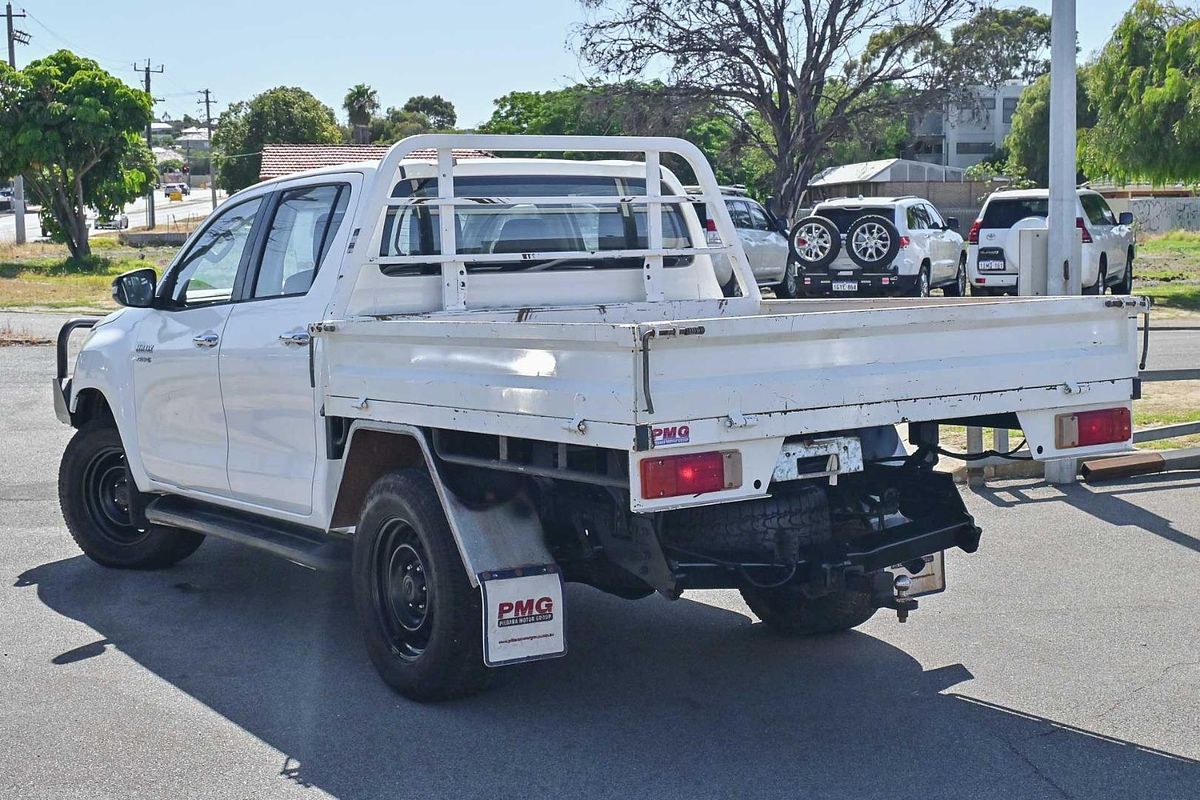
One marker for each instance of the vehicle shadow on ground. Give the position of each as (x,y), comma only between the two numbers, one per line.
(655,699)
(1114,502)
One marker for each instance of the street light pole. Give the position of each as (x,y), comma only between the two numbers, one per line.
(1062,270)
(18,198)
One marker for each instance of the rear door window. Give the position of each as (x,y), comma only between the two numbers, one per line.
(305,222)
(1005,212)
(918,219)
(739,211)
(845,216)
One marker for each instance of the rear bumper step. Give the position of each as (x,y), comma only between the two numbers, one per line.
(306,547)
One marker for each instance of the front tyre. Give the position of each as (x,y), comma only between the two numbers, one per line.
(787,610)
(421,618)
(959,287)
(789,287)
(94,491)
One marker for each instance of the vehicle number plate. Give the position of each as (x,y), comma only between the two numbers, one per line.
(523,615)
(992,266)
(845,286)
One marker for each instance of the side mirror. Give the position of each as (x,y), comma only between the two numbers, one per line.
(952,223)
(1126,218)
(135,288)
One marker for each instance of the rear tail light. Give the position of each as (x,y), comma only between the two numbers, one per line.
(1083,428)
(710,227)
(905,242)
(1087,235)
(973,234)
(692,473)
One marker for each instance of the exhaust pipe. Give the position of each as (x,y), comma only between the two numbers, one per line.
(1142,463)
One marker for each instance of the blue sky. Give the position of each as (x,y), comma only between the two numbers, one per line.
(469,51)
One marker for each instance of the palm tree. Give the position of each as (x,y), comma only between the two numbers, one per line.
(361,103)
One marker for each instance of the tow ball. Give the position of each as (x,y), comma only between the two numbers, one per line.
(894,595)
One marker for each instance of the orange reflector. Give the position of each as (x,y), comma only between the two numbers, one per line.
(692,473)
(1084,428)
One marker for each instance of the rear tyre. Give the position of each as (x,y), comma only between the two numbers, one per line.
(815,242)
(94,491)
(787,610)
(959,287)
(421,617)
(1126,284)
(872,242)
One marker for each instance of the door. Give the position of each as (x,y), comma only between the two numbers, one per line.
(180,422)
(270,403)
(739,213)
(944,247)
(772,246)
(1102,226)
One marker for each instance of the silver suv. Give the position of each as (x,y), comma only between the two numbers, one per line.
(763,237)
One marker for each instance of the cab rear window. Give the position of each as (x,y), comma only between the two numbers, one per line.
(1006,212)
(524,228)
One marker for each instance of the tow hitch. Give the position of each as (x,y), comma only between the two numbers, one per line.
(893,592)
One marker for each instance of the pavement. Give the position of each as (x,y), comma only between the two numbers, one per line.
(196,205)
(1062,662)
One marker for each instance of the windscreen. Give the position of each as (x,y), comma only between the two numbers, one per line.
(523,228)
(1006,212)
(843,217)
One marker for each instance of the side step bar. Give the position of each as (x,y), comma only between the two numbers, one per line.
(304,546)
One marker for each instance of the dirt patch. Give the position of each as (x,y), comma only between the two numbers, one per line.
(10,337)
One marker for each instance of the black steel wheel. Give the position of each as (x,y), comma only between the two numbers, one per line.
(95,493)
(421,617)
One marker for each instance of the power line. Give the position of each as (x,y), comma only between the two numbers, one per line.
(147,71)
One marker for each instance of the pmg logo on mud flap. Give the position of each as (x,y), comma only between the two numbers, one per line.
(523,612)
(671,434)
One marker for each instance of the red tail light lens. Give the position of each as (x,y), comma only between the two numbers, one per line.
(1087,235)
(1083,428)
(905,242)
(693,473)
(973,234)
(710,224)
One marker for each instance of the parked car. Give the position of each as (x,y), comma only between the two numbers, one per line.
(171,188)
(878,245)
(763,237)
(117,223)
(6,199)
(549,386)
(992,243)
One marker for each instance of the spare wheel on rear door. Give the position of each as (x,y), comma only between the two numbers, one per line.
(815,242)
(872,242)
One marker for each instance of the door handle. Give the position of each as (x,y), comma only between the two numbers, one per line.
(209,339)
(298,338)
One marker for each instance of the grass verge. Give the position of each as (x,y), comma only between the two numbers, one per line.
(1168,269)
(42,275)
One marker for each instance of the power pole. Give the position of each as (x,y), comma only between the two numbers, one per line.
(18,201)
(150,222)
(1062,272)
(212,162)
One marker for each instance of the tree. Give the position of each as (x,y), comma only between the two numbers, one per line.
(397,124)
(74,132)
(1028,141)
(438,110)
(791,64)
(361,103)
(1002,44)
(1145,87)
(283,115)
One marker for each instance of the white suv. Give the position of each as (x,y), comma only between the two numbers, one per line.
(992,243)
(877,245)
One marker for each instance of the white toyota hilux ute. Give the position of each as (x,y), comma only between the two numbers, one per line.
(477,378)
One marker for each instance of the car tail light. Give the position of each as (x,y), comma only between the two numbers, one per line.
(1087,235)
(904,242)
(973,234)
(692,473)
(710,228)
(1085,428)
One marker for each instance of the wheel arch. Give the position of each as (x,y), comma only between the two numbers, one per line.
(494,539)
(91,406)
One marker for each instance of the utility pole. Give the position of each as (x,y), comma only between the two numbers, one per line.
(18,200)
(150,222)
(212,162)
(1063,274)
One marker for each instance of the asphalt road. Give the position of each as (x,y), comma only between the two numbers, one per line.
(1061,663)
(196,205)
